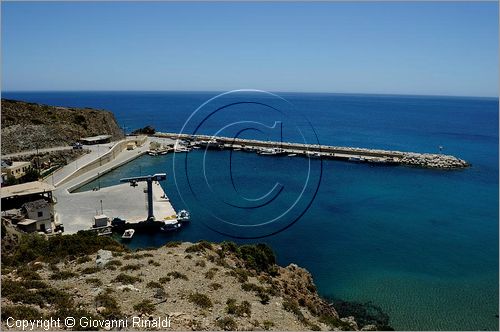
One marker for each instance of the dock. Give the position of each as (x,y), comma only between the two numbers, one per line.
(354,154)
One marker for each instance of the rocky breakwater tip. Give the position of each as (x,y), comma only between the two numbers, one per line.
(433,161)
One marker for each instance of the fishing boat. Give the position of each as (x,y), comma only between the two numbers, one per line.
(183,216)
(356,159)
(270,151)
(170,225)
(128,234)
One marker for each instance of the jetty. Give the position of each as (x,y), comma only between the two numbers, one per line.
(353,154)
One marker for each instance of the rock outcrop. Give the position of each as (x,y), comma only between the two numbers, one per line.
(28,126)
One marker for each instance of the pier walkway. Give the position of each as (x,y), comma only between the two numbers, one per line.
(425,160)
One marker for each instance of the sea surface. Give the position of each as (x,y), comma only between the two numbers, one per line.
(421,244)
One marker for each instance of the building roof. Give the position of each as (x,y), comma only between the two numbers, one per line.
(35,205)
(17,164)
(95,138)
(26,222)
(29,188)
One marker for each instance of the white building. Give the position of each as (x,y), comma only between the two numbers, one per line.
(42,212)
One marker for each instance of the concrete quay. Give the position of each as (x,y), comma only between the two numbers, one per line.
(76,210)
(376,156)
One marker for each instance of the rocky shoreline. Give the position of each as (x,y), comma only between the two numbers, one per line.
(428,160)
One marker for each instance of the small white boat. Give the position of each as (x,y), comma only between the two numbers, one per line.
(183,216)
(181,149)
(152,153)
(269,151)
(170,225)
(311,154)
(356,159)
(292,155)
(128,234)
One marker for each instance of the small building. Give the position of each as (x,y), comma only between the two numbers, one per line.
(13,197)
(27,225)
(42,212)
(100,139)
(101,220)
(15,169)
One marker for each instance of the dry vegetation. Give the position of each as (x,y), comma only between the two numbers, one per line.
(220,287)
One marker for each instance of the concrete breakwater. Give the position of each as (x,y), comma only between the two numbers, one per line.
(374,156)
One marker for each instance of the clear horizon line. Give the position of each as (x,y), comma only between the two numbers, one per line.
(274,91)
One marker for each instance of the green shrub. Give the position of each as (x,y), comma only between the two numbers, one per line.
(200,300)
(63,275)
(200,246)
(177,275)
(131,267)
(215,286)
(83,259)
(243,309)
(201,263)
(112,310)
(259,257)
(240,274)
(267,324)
(163,280)
(154,263)
(20,312)
(227,324)
(173,244)
(126,279)
(292,306)
(57,248)
(154,284)
(114,262)
(21,291)
(145,307)
(94,281)
(90,270)
(210,274)
(27,273)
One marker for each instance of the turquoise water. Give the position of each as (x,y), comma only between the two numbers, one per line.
(421,244)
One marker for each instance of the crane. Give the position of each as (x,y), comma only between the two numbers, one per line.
(149,179)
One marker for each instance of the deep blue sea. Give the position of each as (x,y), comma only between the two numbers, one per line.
(421,244)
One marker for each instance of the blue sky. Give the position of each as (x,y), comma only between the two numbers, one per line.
(397,48)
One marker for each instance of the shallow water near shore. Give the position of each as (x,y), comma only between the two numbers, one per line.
(421,244)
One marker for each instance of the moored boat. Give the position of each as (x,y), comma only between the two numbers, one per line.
(128,234)
(183,216)
(170,225)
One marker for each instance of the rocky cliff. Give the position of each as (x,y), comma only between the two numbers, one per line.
(27,126)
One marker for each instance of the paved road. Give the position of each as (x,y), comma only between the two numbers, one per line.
(95,152)
(31,152)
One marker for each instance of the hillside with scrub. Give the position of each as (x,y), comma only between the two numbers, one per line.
(201,286)
(29,126)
